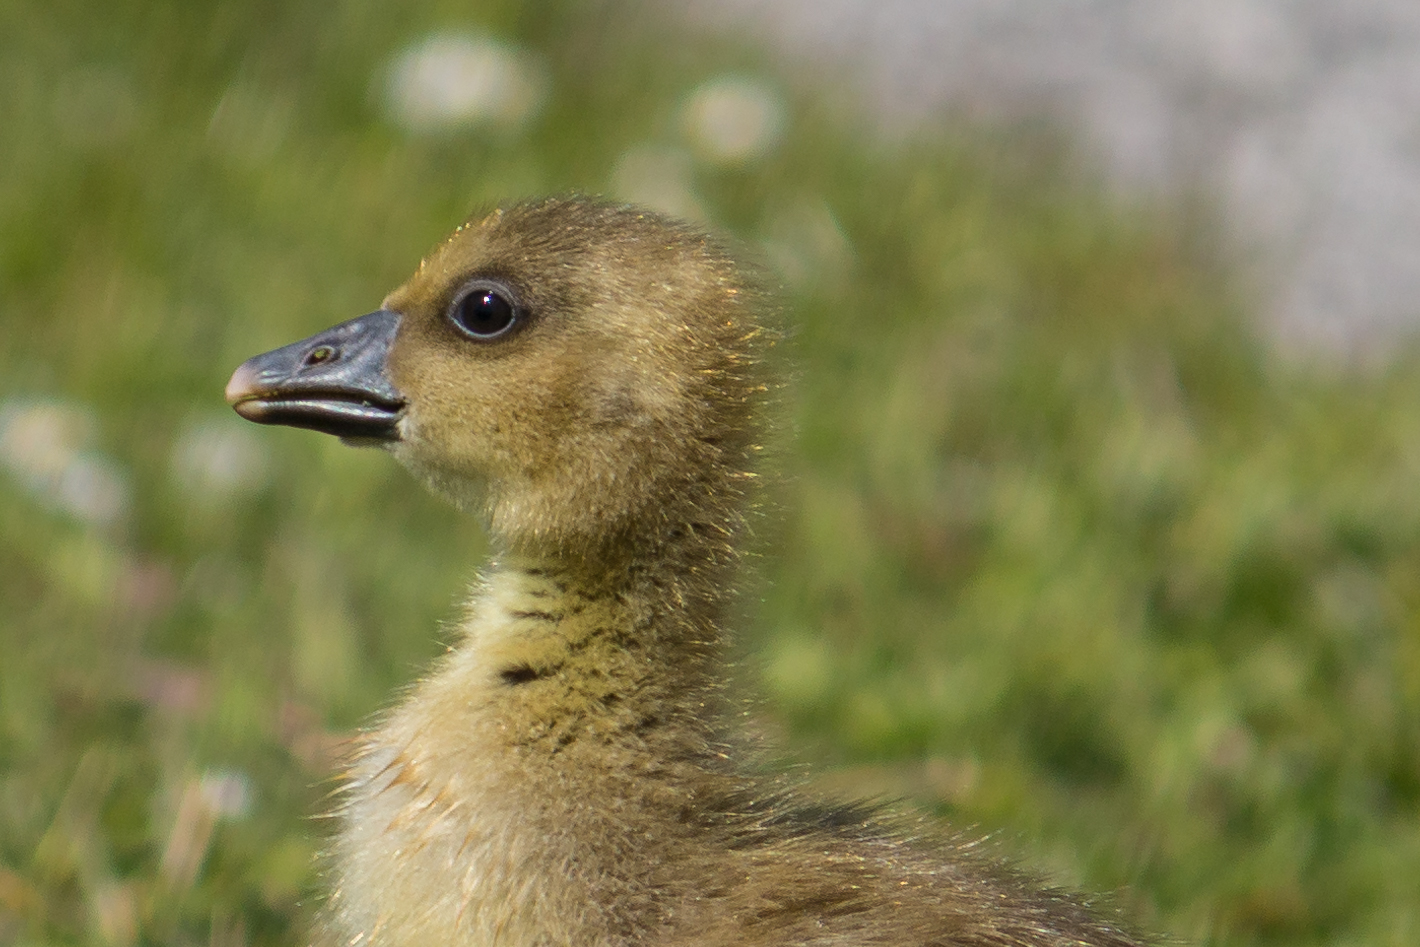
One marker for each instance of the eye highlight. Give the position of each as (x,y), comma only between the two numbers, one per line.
(485,310)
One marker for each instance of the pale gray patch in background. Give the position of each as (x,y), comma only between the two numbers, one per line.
(1302,117)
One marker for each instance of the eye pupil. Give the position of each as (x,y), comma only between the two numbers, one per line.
(484,313)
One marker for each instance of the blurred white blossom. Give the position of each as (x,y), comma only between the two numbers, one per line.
(732,119)
(44,446)
(220,458)
(227,793)
(659,178)
(450,80)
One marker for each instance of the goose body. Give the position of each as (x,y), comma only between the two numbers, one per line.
(587,378)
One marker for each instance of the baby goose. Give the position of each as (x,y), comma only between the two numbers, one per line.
(587,377)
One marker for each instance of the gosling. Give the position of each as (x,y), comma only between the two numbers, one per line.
(589,378)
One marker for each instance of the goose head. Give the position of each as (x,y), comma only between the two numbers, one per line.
(581,373)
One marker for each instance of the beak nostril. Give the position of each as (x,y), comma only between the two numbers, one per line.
(321,353)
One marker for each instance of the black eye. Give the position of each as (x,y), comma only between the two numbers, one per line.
(485,311)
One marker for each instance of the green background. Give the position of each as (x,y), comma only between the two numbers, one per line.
(1057,548)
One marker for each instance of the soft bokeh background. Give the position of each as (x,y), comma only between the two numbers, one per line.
(1063,551)
(1297,117)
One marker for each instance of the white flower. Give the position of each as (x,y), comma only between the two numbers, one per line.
(42,443)
(732,119)
(226,792)
(452,80)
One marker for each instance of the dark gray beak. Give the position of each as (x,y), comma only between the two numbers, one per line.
(333,382)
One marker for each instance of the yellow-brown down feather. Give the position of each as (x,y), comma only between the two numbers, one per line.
(564,775)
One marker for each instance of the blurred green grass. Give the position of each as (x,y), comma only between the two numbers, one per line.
(1062,551)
